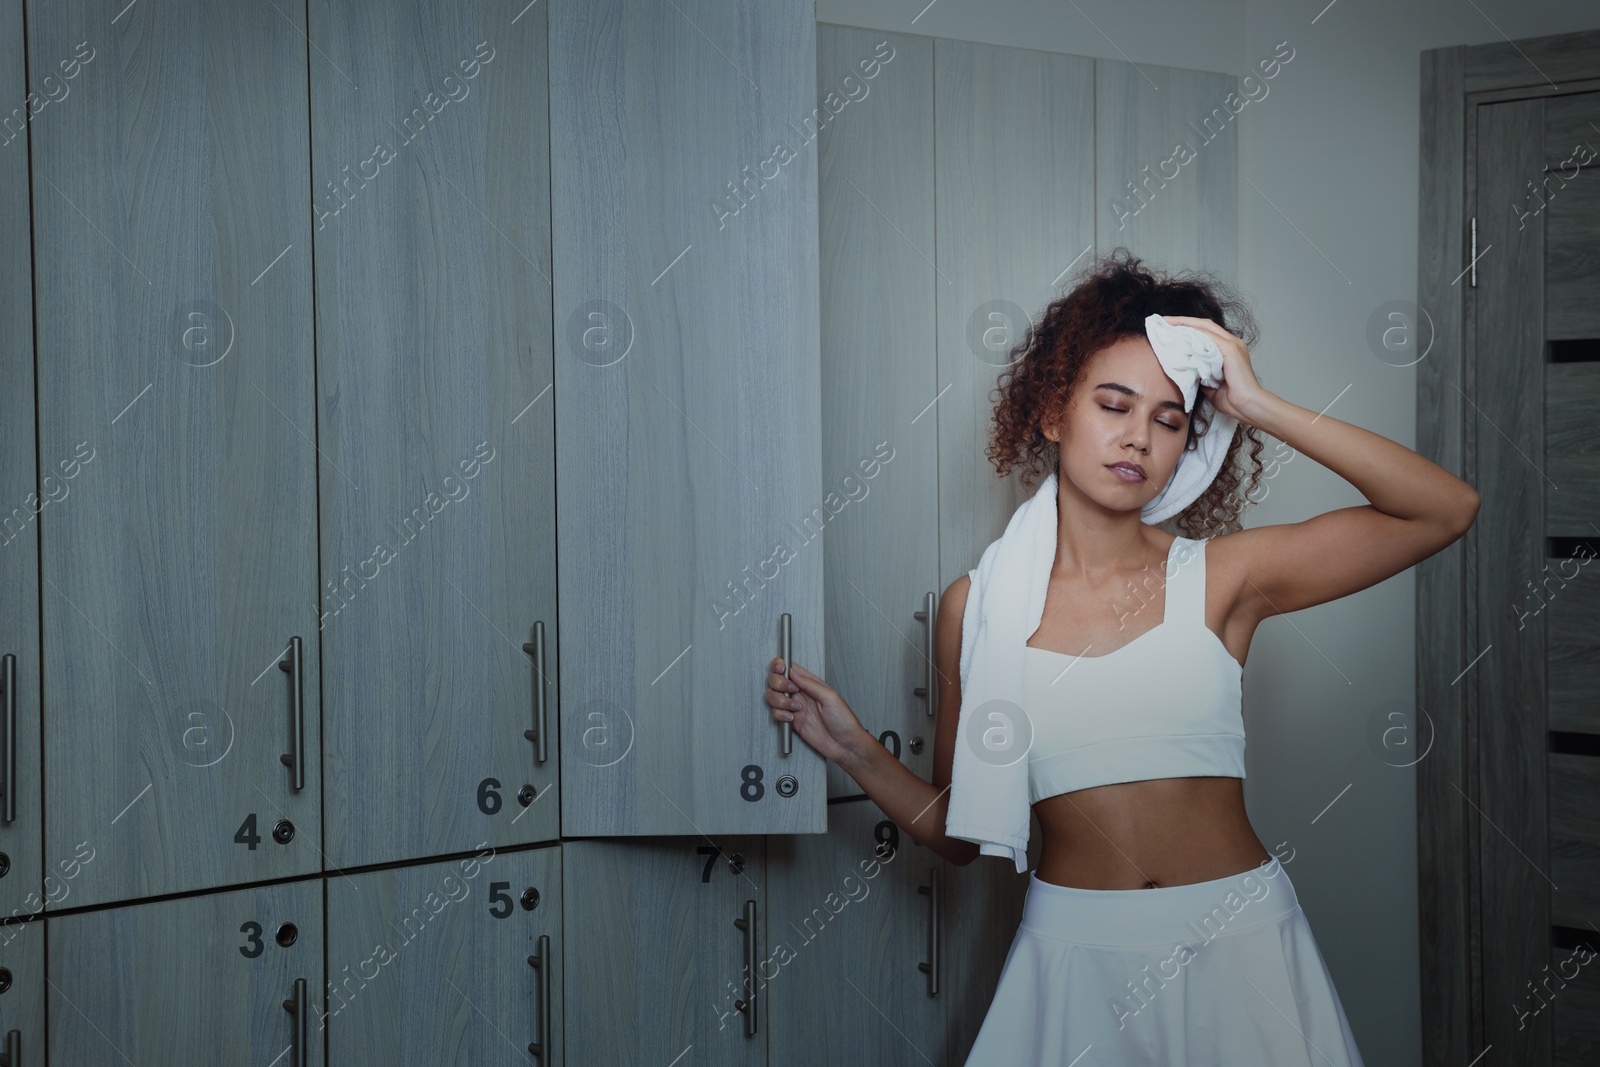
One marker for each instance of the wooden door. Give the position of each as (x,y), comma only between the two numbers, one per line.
(172,258)
(217,978)
(1535,300)
(691,511)
(28,489)
(881,402)
(668,955)
(859,916)
(450,962)
(22,989)
(431,222)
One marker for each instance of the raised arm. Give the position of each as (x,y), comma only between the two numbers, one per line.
(1416,509)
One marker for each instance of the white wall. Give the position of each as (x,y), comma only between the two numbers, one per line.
(1328,233)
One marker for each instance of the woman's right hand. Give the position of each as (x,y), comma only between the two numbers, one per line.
(818,713)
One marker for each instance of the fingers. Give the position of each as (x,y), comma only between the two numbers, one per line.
(779,692)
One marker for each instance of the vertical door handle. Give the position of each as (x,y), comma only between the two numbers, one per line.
(537,733)
(931,966)
(12,1056)
(295,758)
(786,650)
(540,961)
(748,1005)
(927,615)
(8,679)
(296,1006)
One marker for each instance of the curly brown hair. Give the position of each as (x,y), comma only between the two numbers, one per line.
(1109,301)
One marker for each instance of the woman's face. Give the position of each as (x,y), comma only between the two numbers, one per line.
(1124,410)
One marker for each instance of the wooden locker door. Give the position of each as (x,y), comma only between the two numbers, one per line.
(857,919)
(659,949)
(691,506)
(22,990)
(1015,210)
(209,978)
(880,408)
(173,287)
(433,963)
(430,199)
(1167,166)
(1537,344)
(28,488)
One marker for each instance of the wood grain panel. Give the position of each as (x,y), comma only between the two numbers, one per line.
(1535,62)
(880,414)
(1446,840)
(1513,827)
(1569,198)
(428,963)
(173,256)
(27,486)
(692,510)
(1575,839)
(654,961)
(1178,207)
(437,426)
(849,908)
(196,979)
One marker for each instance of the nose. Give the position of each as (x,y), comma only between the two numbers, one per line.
(1137,434)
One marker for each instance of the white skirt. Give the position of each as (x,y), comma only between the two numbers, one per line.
(1223,973)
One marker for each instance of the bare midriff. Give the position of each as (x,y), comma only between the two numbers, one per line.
(1143,835)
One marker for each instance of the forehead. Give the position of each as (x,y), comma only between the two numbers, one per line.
(1131,362)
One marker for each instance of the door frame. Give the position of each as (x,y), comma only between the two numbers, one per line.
(1454,82)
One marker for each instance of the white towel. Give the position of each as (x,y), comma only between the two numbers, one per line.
(989,778)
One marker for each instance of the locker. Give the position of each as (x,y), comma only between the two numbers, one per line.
(436,428)
(215,978)
(457,961)
(691,513)
(172,276)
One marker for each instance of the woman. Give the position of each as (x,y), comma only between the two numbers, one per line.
(1157,928)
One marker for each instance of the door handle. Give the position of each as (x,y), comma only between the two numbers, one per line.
(537,733)
(786,650)
(294,664)
(930,967)
(540,962)
(296,1006)
(926,689)
(8,679)
(748,1006)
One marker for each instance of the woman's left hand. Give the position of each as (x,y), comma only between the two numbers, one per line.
(1239,390)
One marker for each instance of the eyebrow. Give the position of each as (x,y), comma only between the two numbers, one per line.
(1120,388)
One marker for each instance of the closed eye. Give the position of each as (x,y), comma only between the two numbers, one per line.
(1168,425)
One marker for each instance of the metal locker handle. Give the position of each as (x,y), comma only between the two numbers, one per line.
(299,1044)
(537,733)
(8,679)
(748,1005)
(926,689)
(931,966)
(786,650)
(540,961)
(12,1056)
(293,665)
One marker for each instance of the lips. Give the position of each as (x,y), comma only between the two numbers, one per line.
(1127,468)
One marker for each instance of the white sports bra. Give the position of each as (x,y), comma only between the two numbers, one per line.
(1165,705)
